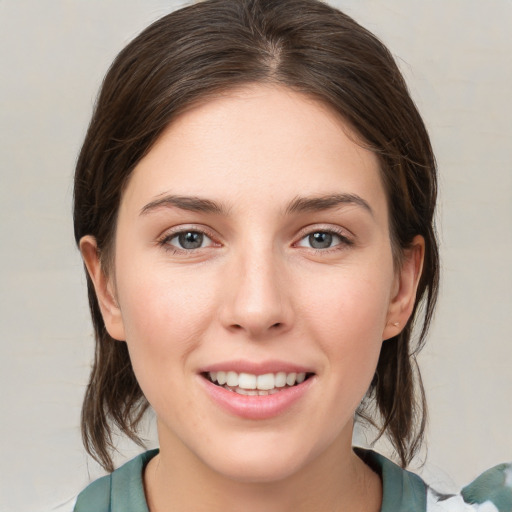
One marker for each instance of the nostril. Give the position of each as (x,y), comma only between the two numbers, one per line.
(238,327)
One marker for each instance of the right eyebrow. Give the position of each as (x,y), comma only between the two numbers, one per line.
(189,203)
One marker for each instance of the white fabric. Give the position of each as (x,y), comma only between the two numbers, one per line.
(455,504)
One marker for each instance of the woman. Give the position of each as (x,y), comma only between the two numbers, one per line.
(254,204)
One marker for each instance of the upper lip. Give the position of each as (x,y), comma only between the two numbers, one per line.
(256,368)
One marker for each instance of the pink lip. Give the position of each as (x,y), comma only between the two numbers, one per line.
(271,366)
(256,407)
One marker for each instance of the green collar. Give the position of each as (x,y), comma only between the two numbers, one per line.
(402,491)
(123,490)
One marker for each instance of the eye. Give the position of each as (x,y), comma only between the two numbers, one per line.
(188,240)
(323,240)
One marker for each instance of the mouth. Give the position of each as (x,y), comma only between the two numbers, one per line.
(256,385)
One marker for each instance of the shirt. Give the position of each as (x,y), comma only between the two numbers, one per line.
(403,491)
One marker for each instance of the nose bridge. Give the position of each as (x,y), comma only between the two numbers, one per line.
(258,301)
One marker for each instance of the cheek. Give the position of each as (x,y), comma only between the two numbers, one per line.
(350,305)
(164,315)
(164,319)
(347,319)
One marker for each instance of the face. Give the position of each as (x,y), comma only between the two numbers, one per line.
(254,282)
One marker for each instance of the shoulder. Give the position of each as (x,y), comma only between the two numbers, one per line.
(404,491)
(490,492)
(96,496)
(122,490)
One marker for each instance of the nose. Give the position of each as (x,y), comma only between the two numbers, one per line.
(257,301)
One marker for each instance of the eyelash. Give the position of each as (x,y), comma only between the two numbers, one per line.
(344,241)
(165,240)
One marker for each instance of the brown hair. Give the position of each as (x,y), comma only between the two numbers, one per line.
(216,45)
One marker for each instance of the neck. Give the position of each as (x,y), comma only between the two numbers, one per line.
(335,481)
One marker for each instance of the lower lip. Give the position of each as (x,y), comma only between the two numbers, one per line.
(256,407)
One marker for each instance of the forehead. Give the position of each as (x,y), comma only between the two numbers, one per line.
(255,143)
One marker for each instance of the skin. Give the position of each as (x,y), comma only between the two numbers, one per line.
(256,290)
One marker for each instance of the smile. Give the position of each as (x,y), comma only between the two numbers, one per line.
(258,395)
(251,385)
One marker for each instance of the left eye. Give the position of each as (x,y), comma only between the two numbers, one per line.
(189,240)
(321,240)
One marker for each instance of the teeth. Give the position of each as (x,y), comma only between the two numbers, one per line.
(266,382)
(232,379)
(290,379)
(249,384)
(247,381)
(280,380)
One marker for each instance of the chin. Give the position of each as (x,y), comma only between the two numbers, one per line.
(260,460)
(258,470)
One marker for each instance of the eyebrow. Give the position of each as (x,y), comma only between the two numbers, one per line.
(297,205)
(190,203)
(326,202)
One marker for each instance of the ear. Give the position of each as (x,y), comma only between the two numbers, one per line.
(105,290)
(406,285)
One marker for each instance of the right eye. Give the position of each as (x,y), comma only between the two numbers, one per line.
(188,240)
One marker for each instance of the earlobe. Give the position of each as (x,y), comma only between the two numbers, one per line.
(404,294)
(105,292)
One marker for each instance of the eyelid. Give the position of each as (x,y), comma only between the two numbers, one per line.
(347,238)
(169,234)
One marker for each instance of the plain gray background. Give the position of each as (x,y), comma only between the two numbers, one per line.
(456,55)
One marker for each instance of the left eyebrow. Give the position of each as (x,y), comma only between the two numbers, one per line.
(326,202)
